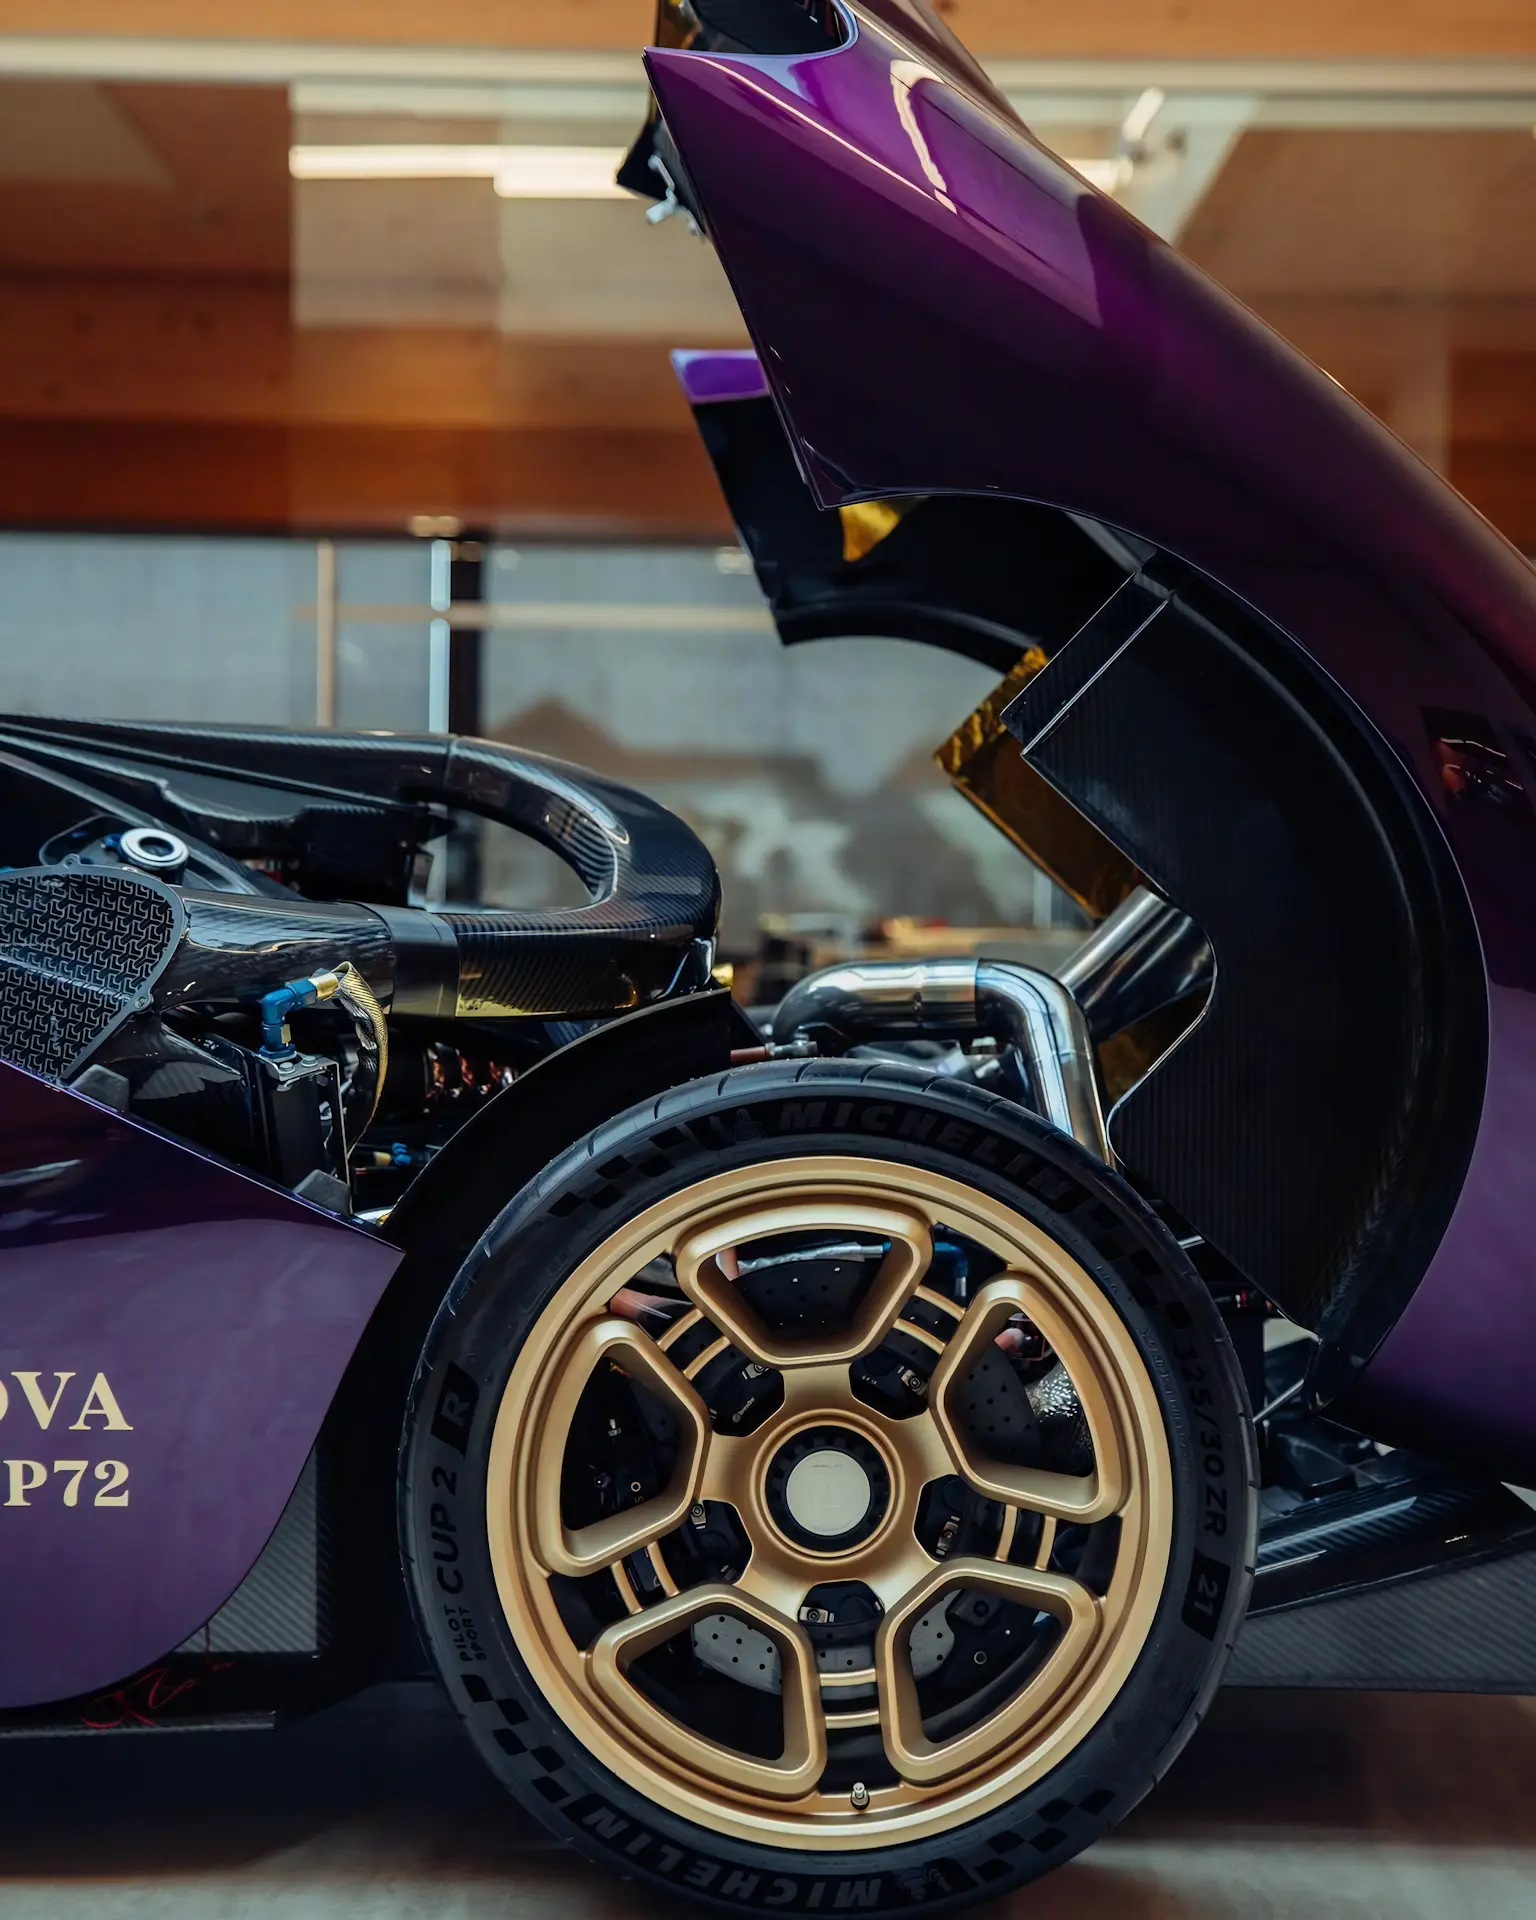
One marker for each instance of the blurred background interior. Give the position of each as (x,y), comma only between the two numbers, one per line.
(334,388)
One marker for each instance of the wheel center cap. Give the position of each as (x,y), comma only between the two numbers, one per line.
(827,1492)
(828,1489)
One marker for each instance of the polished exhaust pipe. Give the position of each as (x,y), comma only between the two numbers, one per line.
(1146,955)
(947,999)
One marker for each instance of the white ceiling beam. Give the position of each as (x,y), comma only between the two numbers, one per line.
(1180,159)
(1359,77)
(1423,111)
(526,100)
(281,63)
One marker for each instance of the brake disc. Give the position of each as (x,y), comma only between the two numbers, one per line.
(741,1652)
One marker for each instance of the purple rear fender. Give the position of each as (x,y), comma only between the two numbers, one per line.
(941,306)
(171,1335)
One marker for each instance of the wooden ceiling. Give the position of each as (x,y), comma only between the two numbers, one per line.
(1449,214)
(1037,29)
(1405,263)
(189,339)
(143,179)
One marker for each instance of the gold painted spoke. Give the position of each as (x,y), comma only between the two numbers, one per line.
(799,1765)
(626,1587)
(580,1550)
(1077,1498)
(922,1442)
(706,1356)
(660,1568)
(925,1762)
(910,1330)
(899,1573)
(684,1323)
(849,1677)
(777,1579)
(704,1257)
(822,1388)
(941,1302)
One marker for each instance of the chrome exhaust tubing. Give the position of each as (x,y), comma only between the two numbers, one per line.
(946,999)
(1143,957)
(1146,955)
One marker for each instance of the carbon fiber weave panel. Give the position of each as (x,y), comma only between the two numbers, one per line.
(1469,1630)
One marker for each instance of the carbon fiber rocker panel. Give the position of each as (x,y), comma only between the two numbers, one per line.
(1471,1629)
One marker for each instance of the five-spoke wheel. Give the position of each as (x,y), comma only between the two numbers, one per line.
(825,1490)
(830,1486)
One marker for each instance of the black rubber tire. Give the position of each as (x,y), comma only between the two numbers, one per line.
(758,1113)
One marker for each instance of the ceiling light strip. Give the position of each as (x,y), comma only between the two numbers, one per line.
(517,172)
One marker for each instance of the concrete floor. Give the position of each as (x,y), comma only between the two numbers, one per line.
(1353,1807)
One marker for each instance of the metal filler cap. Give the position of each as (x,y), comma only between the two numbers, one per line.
(154,850)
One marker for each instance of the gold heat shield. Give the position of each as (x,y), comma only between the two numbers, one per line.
(983,760)
(867,522)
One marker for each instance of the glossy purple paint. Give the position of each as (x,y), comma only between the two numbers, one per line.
(222,1313)
(941,305)
(721,373)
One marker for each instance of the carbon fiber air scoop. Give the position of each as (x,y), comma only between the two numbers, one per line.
(644,930)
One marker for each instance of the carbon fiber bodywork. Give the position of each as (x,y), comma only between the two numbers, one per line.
(233,939)
(346,813)
(1468,1627)
(1359,1085)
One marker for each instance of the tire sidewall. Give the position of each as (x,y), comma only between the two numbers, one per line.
(771,1113)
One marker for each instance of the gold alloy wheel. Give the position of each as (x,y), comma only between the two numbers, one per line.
(931,1784)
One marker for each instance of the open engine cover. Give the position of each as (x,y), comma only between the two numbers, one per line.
(1005,330)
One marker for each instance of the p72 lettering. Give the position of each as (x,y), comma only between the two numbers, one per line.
(33,1483)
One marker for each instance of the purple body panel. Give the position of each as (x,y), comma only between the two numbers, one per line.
(220,1314)
(721,373)
(941,305)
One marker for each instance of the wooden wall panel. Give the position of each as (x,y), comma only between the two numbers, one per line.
(518,481)
(1348,211)
(1493,451)
(1037,29)
(81,346)
(160,347)
(155,368)
(192,402)
(144,178)
(180,476)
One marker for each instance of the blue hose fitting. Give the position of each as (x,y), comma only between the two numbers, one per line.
(275,1007)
